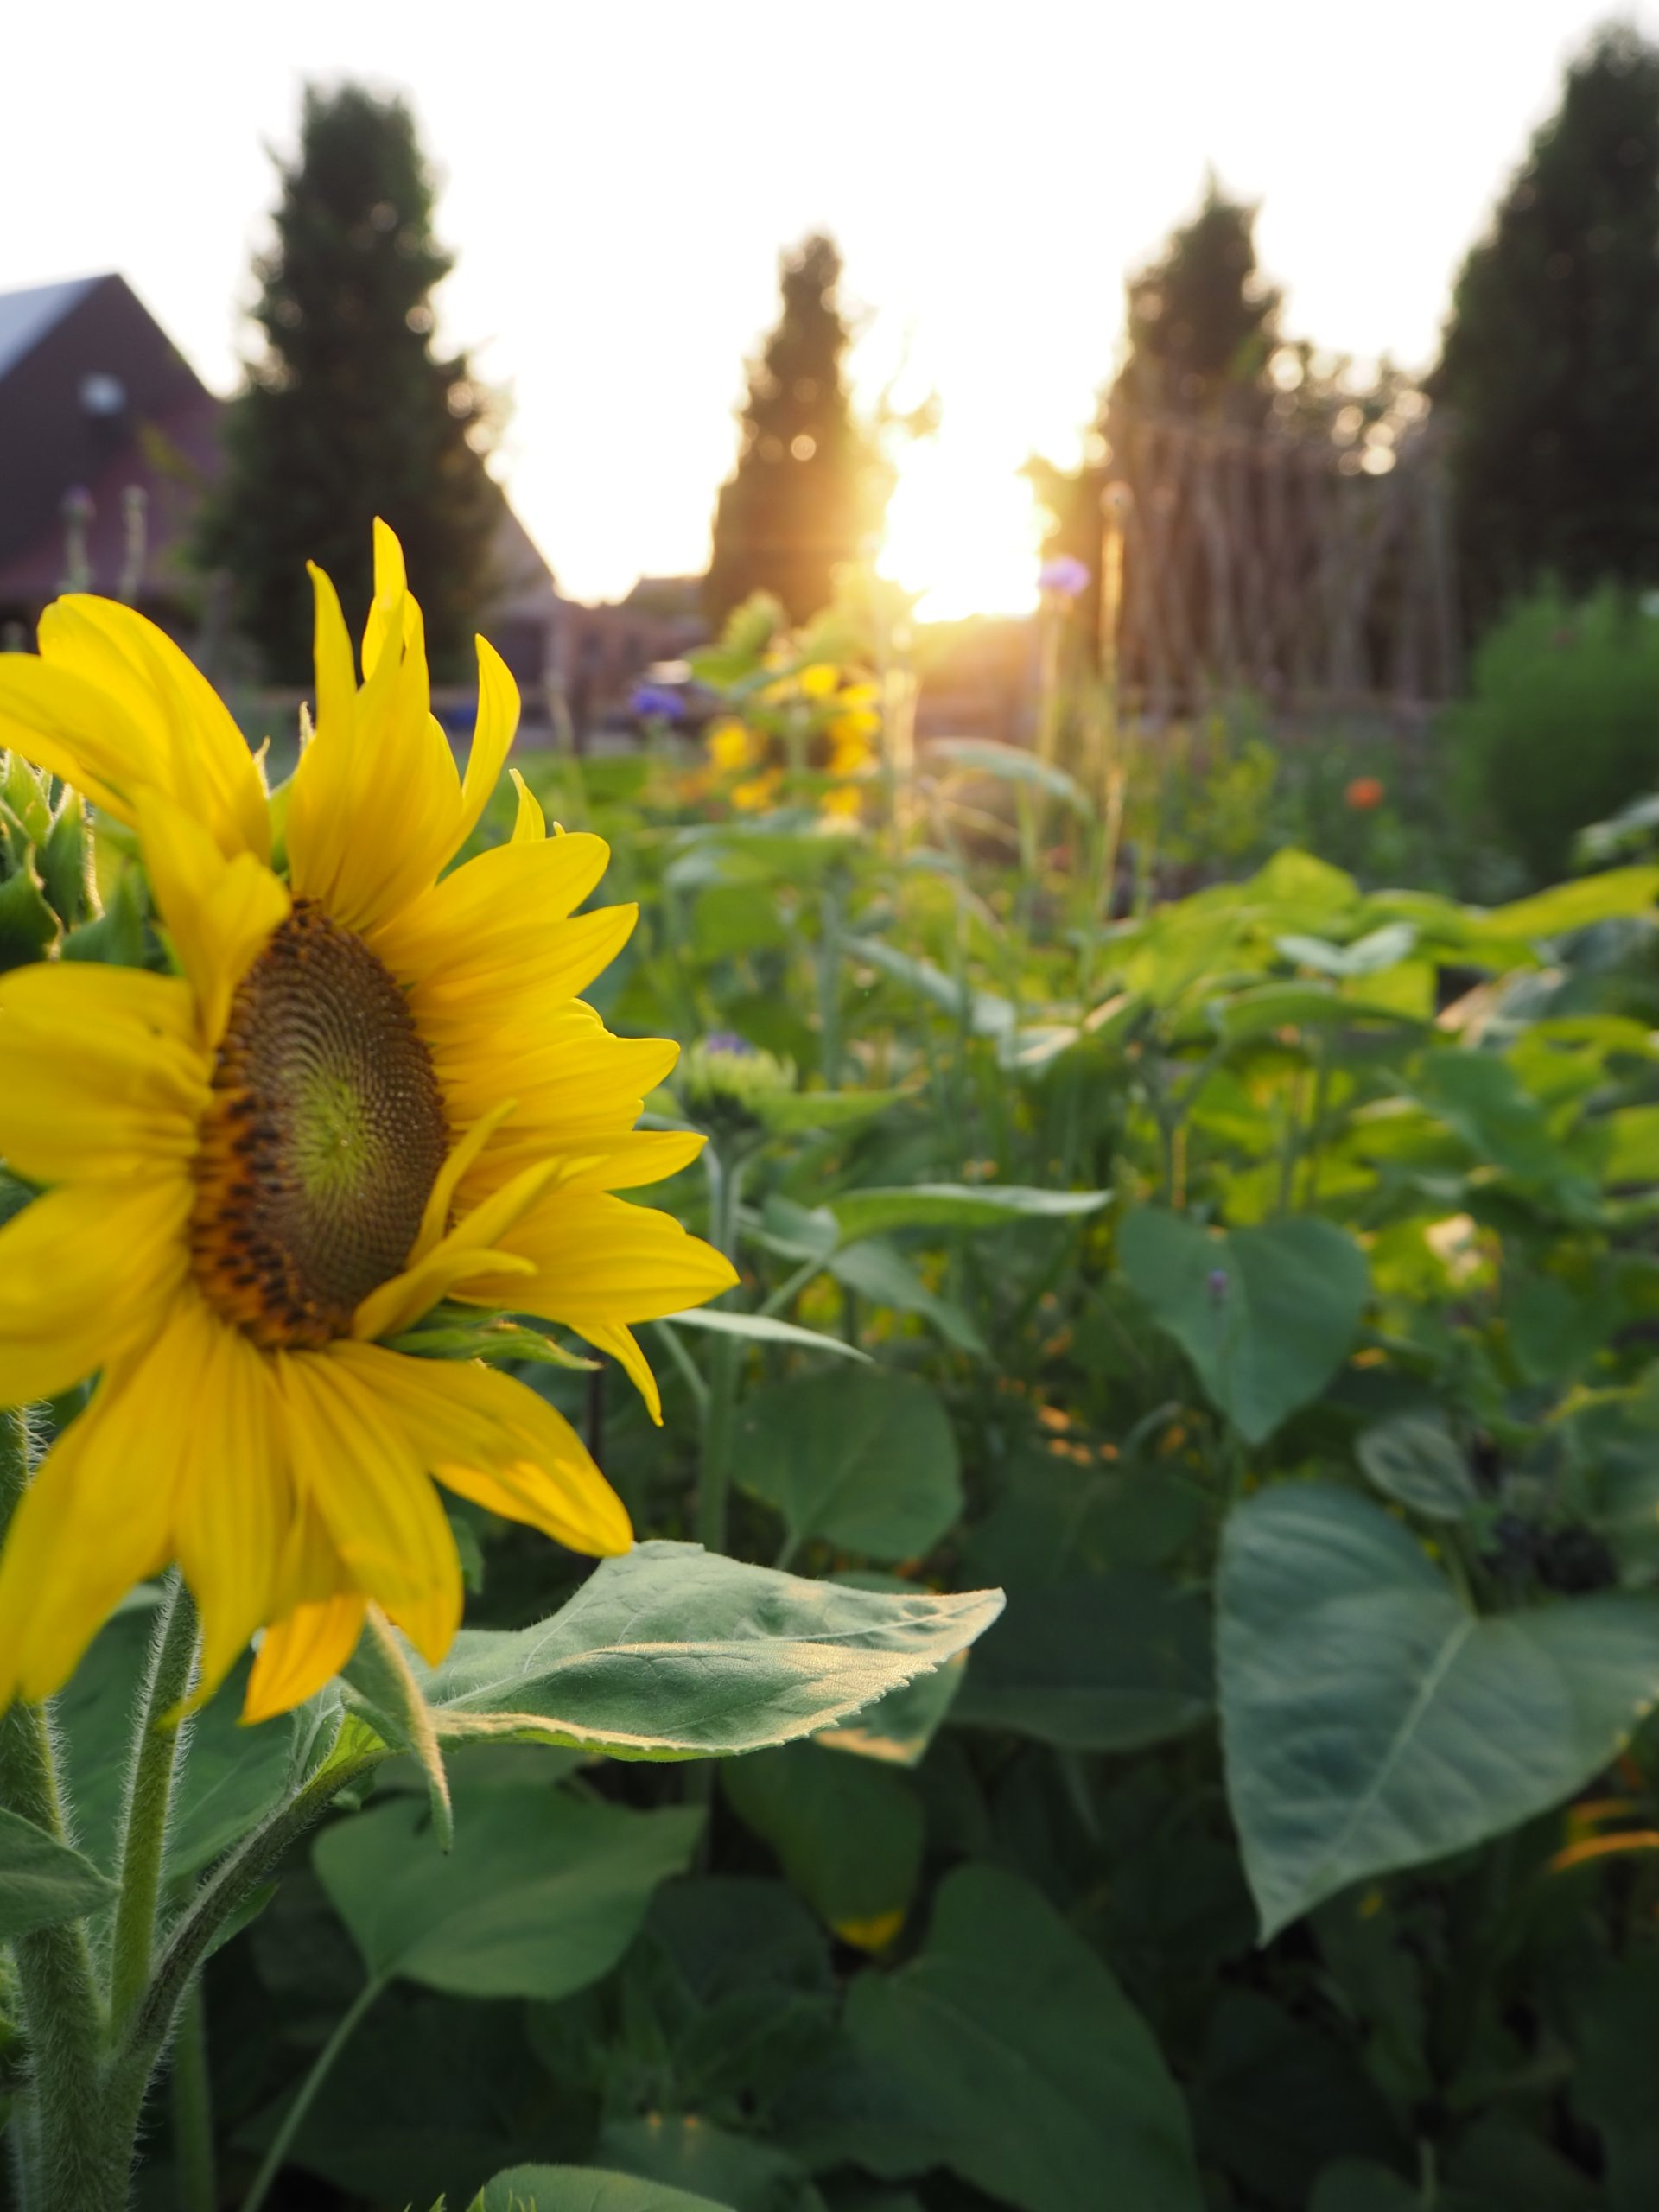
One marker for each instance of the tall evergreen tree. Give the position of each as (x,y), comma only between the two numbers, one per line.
(1551,357)
(803,496)
(1202,324)
(347,413)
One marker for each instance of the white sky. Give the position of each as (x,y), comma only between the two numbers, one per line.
(619,174)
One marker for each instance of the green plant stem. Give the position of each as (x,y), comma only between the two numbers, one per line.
(294,2118)
(81,2161)
(714,1469)
(829,925)
(192,2109)
(157,1746)
(195,1934)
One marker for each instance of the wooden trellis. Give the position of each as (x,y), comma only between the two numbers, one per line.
(1257,562)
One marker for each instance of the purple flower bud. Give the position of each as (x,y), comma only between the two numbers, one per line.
(656,699)
(1065,575)
(1217,1284)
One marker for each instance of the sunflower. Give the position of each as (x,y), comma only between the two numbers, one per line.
(370,1089)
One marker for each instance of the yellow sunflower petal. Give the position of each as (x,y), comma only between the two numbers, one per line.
(528,823)
(66,725)
(234,1503)
(471,1248)
(96,1519)
(620,1162)
(375,808)
(86,1272)
(460,1010)
(189,748)
(219,912)
(100,1076)
(493,909)
(495,1441)
(493,730)
(623,1346)
(302,1652)
(375,1499)
(599,1263)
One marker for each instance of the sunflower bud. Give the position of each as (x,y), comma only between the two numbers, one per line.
(727,1083)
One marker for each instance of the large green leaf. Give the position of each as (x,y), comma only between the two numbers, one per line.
(956,1206)
(1371,1721)
(699,2164)
(43,1881)
(582,2189)
(867,1460)
(1266,1315)
(1018,2055)
(1415,1460)
(879,1273)
(762,1329)
(541,1894)
(848,1832)
(673,1652)
(1095,1664)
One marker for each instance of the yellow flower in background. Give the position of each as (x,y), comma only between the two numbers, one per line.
(368,1090)
(818,681)
(732,746)
(758,793)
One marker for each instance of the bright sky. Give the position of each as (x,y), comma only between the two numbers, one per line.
(619,175)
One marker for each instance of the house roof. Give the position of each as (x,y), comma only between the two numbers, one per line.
(27,315)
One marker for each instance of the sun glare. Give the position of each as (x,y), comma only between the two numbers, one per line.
(963,530)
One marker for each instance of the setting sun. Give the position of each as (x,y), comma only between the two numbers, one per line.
(963,530)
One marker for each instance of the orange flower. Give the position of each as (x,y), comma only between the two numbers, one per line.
(1365,793)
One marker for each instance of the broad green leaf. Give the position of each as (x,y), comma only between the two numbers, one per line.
(878,1272)
(701,2163)
(1022,2060)
(1481,1097)
(866,1461)
(956,1206)
(796,1113)
(984,1012)
(1013,764)
(1370,1720)
(1567,906)
(1415,1460)
(1266,1315)
(846,1832)
(1095,1664)
(899,1728)
(43,1881)
(673,1652)
(582,2189)
(541,1894)
(761,1328)
(1367,956)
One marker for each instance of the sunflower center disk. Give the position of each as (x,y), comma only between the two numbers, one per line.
(323,1140)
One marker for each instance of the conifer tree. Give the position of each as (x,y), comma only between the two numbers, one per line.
(801,498)
(1202,325)
(1550,365)
(348,414)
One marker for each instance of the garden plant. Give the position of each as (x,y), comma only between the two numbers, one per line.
(1258,1287)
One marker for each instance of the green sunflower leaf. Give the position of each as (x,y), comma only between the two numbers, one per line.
(673,1652)
(582,2189)
(43,1881)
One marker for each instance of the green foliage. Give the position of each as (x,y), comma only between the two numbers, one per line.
(1557,732)
(347,413)
(1202,323)
(800,500)
(1552,346)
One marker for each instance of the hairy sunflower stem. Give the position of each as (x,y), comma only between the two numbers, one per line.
(158,1746)
(79,2161)
(225,1894)
(294,2118)
(829,931)
(193,2108)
